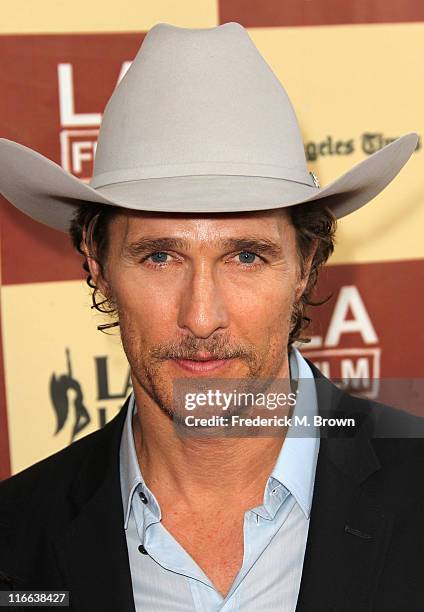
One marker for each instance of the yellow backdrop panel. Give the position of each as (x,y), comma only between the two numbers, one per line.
(345,82)
(41,321)
(56,16)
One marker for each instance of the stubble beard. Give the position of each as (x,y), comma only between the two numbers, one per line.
(147,367)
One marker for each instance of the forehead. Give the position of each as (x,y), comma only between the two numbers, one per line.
(128,225)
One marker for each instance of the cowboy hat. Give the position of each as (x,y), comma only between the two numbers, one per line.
(199,123)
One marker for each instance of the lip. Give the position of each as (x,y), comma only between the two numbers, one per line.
(200,366)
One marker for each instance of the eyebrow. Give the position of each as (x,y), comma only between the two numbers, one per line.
(251,243)
(144,245)
(258,245)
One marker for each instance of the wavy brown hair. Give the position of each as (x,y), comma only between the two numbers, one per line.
(314,224)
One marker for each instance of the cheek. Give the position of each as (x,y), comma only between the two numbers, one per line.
(263,308)
(142,308)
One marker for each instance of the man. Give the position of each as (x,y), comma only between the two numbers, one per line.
(204,232)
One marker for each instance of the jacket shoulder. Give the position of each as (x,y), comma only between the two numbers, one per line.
(384,421)
(60,469)
(38,504)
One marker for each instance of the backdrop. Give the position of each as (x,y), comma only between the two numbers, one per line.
(355,74)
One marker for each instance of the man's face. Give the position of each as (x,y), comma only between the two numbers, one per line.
(202,296)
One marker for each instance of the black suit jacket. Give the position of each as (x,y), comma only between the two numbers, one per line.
(61,520)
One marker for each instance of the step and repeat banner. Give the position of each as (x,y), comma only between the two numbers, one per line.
(354,73)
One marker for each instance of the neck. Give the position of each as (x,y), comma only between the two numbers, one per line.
(200,470)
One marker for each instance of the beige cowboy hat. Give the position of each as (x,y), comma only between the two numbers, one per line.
(199,123)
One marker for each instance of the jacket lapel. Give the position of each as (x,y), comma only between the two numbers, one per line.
(93,552)
(349,530)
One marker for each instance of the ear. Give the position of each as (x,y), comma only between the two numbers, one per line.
(303,279)
(94,268)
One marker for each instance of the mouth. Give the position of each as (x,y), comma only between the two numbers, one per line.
(202,364)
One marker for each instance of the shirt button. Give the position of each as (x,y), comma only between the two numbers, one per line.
(143,497)
(142,550)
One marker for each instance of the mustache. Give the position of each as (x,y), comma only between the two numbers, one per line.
(219,347)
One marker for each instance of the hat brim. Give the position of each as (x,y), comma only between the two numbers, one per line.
(49,194)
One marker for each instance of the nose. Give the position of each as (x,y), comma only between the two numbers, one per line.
(202,310)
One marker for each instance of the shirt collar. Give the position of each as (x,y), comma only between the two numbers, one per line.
(295,465)
(129,468)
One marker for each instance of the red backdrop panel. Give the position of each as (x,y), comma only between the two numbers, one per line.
(254,14)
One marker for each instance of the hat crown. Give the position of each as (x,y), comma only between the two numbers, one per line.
(199,101)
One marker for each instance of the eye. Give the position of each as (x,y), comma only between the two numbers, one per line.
(159,257)
(247,257)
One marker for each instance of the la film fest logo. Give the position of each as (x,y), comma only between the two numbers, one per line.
(79,130)
(60,388)
(354,368)
(69,404)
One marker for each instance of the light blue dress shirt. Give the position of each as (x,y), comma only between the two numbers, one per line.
(168,579)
